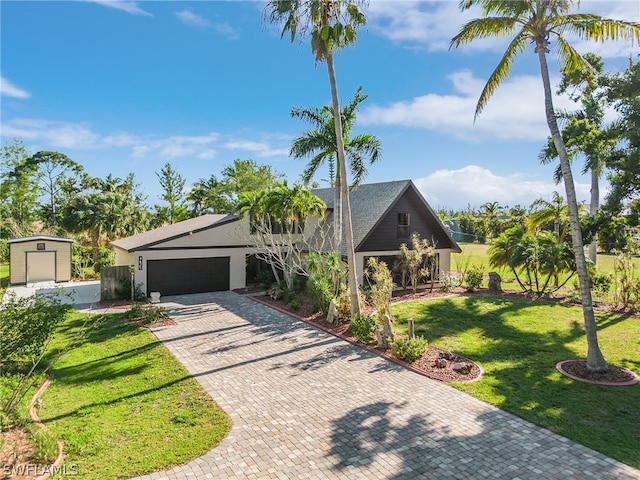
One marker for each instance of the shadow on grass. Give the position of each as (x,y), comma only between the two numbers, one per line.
(518,343)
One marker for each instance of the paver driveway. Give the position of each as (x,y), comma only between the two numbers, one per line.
(306,405)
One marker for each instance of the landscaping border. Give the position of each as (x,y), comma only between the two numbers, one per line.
(34,416)
(634,381)
(375,351)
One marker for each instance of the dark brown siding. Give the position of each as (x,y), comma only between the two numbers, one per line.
(187,275)
(385,235)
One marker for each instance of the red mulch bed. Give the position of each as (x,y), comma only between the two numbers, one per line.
(426,364)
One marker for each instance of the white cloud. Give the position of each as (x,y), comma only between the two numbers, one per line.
(126,6)
(515,111)
(227,30)
(262,149)
(432,25)
(177,146)
(194,20)
(474,185)
(54,134)
(189,18)
(8,89)
(67,135)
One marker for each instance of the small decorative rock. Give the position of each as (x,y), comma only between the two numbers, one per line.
(463,368)
(441,362)
(495,282)
(275,293)
(447,355)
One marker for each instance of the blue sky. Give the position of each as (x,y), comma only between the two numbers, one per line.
(123,86)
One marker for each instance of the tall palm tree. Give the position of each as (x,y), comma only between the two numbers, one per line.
(584,132)
(321,143)
(536,22)
(333,25)
(544,211)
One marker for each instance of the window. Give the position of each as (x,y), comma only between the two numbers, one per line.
(403,225)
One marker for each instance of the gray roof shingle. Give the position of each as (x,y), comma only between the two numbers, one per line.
(369,202)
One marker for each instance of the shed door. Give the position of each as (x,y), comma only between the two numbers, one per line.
(187,275)
(41,266)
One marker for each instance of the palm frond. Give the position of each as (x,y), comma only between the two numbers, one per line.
(501,72)
(484,28)
(594,27)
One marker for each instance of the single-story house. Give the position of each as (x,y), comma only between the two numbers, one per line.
(39,258)
(212,252)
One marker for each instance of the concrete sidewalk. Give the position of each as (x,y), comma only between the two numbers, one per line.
(84,296)
(307,405)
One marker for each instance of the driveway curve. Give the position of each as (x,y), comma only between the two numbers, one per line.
(307,405)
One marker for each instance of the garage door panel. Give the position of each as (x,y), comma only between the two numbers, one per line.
(188,275)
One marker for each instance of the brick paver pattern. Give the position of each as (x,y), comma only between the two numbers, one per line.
(307,405)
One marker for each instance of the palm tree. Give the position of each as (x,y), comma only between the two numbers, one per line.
(584,133)
(333,26)
(489,212)
(321,143)
(279,215)
(536,22)
(554,210)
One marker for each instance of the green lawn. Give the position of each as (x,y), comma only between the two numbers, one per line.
(476,254)
(125,406)
(518,343)
(4,278)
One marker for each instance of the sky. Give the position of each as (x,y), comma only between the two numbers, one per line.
(126,87)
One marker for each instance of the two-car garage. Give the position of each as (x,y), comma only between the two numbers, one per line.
(179,276)
(202,254)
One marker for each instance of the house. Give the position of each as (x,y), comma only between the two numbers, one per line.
(212,252)
(39,258)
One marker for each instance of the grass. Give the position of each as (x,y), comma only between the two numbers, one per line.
(124,406)
(518,343)
(4,278)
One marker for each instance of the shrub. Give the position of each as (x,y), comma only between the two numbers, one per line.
(473,279)
(45,447)
(601,283)
(450,281)
(145,314)
(408,349)
(320,290)
(362,328)
(265,278)
(294,304)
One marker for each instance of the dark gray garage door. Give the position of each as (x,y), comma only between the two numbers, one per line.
(188,275)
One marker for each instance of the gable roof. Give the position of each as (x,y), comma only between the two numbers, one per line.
(370,203)
(172,232)
(39,237)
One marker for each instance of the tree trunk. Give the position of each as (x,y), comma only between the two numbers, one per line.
(344,189)
(593,210)
(337,212)
(595,359)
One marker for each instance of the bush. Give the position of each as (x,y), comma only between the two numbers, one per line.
(320,290)
(145,314)
(407,349)
(124,291)
(265,278)
(362,328)
(473,279)
(45,447)
(450,281)
(601,283)
(294,304)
